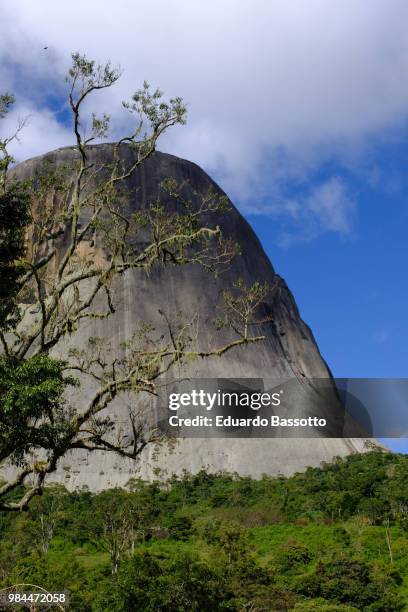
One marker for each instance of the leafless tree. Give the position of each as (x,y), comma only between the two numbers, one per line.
(79,241)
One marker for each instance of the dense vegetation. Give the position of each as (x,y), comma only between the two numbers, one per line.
(331,539)
(30,388)
(14,219)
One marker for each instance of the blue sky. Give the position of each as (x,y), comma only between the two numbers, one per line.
(300,112)
(353,289)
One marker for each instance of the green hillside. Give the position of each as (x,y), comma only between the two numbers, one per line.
(331,539)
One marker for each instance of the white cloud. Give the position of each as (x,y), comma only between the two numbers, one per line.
(325,207)
(332,207)
(274,87)
(41,132)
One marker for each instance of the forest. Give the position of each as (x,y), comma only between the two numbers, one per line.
(331,539)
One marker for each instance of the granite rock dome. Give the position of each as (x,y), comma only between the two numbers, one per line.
(289,349)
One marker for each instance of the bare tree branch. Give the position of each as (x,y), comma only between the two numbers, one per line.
(79,241)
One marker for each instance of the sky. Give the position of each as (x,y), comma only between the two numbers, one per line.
(299,110)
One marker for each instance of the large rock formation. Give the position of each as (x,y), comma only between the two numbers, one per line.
(289,349)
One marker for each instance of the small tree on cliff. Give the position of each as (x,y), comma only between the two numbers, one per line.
(78,240)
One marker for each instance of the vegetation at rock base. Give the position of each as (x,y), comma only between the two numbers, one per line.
(332,539)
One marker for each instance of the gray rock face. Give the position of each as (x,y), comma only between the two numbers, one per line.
(289,349)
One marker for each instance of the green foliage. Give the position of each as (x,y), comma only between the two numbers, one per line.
(231,537)
(30,390)
(293,554)
(189,544)
(59,572)
(6,101)
(163,582)
(353,582)
(320,605)
(86,73)
(14,218)
(180,526)
(150,104)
